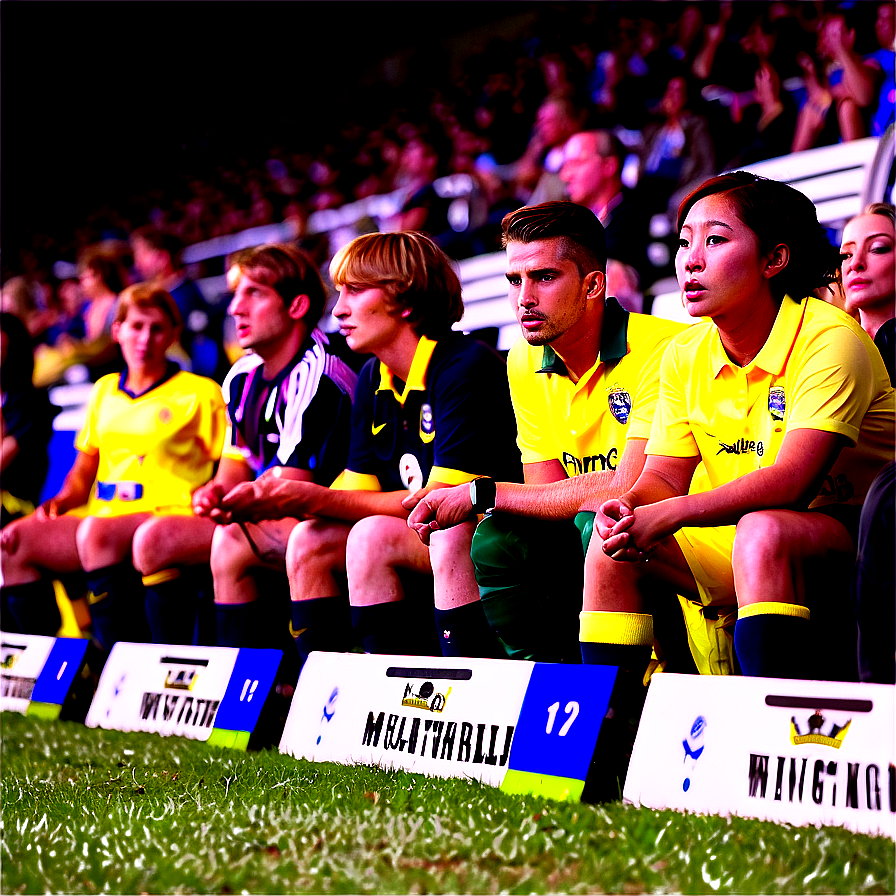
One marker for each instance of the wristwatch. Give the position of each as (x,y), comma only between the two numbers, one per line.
(483,494)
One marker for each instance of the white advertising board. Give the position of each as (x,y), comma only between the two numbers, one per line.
(799,752)
(204,693)
(526,727)
(37,672)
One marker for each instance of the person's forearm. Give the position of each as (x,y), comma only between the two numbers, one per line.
(553,500)
(858,80)
(348,505)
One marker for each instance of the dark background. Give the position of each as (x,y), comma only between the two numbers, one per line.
(104,99)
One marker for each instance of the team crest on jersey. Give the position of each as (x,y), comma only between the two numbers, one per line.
(165,415)
(777,403)
(411,473)
(620,403)
(427,424)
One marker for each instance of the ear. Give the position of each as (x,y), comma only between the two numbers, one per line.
(116,329)
(299,306)
(597,282)
(776,260)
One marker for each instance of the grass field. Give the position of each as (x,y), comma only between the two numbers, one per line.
(88,811)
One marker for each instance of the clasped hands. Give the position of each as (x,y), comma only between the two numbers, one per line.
(627,534)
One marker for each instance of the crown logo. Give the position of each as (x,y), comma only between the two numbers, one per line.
(834,738)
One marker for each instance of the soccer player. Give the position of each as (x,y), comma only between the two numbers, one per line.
(789,406)
(584,382)
(153,434)
(289,417)
(432,408)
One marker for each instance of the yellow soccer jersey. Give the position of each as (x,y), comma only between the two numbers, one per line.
(817,370)
(585,425)
(154,449)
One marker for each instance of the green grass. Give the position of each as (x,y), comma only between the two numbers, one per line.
(87,811)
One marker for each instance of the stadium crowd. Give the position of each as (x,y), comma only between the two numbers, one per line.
(400,488)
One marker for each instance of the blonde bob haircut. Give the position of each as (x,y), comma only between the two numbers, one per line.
(413,271)
(145,296)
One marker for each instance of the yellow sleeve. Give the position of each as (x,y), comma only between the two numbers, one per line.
(670,433)
(88,439)
(349,480)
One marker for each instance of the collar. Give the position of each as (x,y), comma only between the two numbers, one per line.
(773,355)
(416,377)
(170,371)
(613,340)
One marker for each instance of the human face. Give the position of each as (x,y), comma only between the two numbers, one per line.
(147,261)
(368,318)
(91,284)
(547,291)
(144,335)
(584,171)
(869,272)
(720,269)
(262,319)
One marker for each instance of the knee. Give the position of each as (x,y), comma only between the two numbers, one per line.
(760,539)
(230,555)
(148,546)
(374,541)
(92,539)
(309,543)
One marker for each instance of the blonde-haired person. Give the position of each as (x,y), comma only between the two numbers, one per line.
(152,435)
(432,408)
(868,273)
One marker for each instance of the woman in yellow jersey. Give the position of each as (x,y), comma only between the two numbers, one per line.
(152,435)
(788,404)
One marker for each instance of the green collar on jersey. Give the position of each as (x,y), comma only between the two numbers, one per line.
(613,340)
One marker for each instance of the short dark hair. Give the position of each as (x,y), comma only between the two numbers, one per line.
(162,240)
(777,213)
(581,234)
(146,295)
(414,272)
(286,269)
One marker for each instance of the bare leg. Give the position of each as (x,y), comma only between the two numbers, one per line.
(452,568)
(103,541)
(377,548)
(32,547)
(165,541)
(315,558)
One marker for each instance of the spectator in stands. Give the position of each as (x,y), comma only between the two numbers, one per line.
(103,272)
(842,86)
(536,174)
(157,261)
(869,281)
(676,151)
(787,403)
(592,172)
(423,160)
(584,384)
(883,108)
(868,276)
(26,423)
(152,435)
(18,298)
(289,417)
(426,404)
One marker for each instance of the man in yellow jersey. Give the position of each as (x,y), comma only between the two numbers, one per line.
(584,382)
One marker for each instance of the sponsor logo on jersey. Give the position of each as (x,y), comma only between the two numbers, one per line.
(427,424)
(620,403)
(777,403)
(741,446)
(594,463)
(410,471)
